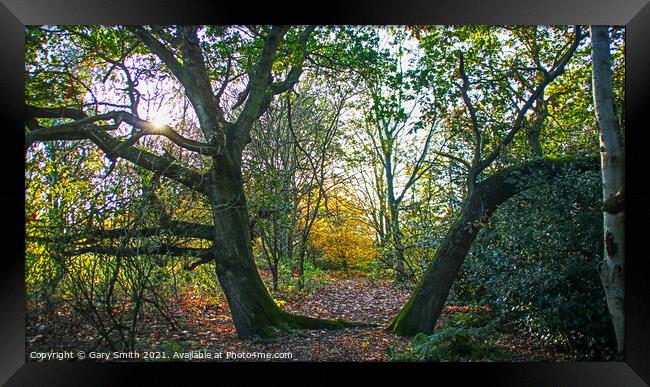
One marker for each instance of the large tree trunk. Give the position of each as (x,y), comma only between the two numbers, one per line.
(254,312)
(611,270)
(423,309)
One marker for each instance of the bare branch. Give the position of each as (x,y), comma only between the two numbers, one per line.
(54,112)
(417,168)
(454,158)
(156,249)
(176,228)
(75,130)
(225,82)
(519,120)
(478,138)
(207,258)
(165,165)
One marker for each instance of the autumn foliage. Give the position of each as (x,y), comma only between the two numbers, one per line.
(342,238)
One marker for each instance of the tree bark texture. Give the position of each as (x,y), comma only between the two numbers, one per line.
(612,269)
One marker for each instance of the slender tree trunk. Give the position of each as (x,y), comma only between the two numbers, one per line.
(301,263)
(393,228)
(310,218)
(612,269)
(423,309)
(274,274)
(396,238)
(534,131)
(271,260)
(275,254)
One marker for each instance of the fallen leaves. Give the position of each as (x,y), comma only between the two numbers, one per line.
(205,324)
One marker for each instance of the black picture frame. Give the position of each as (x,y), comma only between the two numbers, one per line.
(634,14)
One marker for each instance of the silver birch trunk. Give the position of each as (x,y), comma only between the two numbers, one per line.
(611,270)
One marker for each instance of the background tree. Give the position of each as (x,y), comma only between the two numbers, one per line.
(291,157)
(395,133)
(341,235)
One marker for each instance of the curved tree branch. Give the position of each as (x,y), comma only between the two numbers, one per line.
(192,74)
(164,165)
(549,76)
(159,249)
(179,229)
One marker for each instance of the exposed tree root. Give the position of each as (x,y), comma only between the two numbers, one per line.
(303,322)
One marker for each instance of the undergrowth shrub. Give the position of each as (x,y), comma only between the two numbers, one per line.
(470,335)
(535,264)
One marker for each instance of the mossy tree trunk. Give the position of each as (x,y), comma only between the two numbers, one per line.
(253,310)
(425,305)
(422,310)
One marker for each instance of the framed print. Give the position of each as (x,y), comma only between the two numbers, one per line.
(362,193)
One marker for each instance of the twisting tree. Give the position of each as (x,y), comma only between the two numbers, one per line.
(209,64)
(489,136)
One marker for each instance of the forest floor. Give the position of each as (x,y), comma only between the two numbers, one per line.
(204,325)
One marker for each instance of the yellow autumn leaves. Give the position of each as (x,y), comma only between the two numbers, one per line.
(343,236)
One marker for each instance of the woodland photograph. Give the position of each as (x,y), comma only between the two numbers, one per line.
(324,193)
